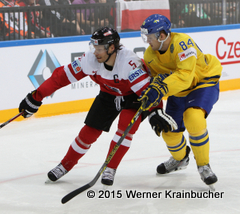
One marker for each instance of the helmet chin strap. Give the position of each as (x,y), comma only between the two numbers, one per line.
(109,55)
(162,42)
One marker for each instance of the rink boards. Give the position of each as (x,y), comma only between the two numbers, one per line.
(26,64)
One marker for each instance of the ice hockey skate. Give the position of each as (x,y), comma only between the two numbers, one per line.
(57,172)
(174,165)
(108,176)
(207,176)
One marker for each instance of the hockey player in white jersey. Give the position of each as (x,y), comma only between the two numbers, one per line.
(122,78)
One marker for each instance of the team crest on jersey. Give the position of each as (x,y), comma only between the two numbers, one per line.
(76,65)
(187,53)
(136,73)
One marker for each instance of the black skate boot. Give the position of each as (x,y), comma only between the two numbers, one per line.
(174,165)
(108,176)
(207,175)
(57,172)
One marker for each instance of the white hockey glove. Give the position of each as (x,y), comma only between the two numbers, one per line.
(161,121)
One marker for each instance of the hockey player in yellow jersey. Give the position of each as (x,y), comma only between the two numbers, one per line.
(190,80)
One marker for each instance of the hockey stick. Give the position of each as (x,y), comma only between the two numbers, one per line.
(7,122)
(74,193)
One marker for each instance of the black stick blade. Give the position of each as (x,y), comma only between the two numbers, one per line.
(74,193)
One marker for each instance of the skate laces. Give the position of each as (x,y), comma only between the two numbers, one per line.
(171,163)
(59,171)
(205,171)
(109,174)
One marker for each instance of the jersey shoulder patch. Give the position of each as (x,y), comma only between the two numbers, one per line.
(76,66)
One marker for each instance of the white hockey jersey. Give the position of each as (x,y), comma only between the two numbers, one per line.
(127,76)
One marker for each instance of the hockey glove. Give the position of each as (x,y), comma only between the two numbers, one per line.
(154,93)
(29,106)
(161,121)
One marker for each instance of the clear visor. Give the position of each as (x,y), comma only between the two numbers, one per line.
(97,49)
(150,37)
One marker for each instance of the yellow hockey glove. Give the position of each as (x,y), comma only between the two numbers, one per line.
(154,93)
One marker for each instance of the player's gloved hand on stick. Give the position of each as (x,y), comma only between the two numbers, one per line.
(154,92)
(161,121)
(29,106)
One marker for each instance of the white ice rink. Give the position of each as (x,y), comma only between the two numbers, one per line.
(30,148)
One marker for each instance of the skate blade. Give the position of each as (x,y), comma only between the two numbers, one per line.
(48,181)
(105,187)
(181,168)
(211,187)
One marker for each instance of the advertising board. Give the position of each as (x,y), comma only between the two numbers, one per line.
(26,64)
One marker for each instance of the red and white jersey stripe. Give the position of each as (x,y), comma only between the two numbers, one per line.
(128,75)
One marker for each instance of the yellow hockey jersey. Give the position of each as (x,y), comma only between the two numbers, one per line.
(187,66)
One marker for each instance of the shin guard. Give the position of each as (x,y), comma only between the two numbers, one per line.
(124,119)
(176,144)
(80,146)
(200,148)
(195,122)
(122,150)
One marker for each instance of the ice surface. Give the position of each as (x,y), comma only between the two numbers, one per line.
(30,148)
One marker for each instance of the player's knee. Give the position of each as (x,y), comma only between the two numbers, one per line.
(89,135)
(120,132)
(194,121)
(124,119)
